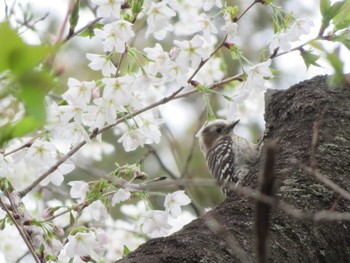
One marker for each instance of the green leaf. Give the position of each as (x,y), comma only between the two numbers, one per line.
(2,223)
(74,17)
(337,65)
(89,32)
(15,54)
(28,84)
(309,58)
(24,126)
(329,12)
(136,7)
(5,185)
(343,38)
(210,112)
(324,6)
(72,220)
(202,88)
(51,258)
(232,10)
(126,251)
(263,54)
(335,9)
(341,19)
(236,54)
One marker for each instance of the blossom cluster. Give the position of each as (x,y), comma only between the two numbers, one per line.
(94,241)
(283,39)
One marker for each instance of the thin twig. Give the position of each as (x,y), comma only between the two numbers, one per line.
(247,9)
(65,22)
(276,54)
(121,58)
(173,176)
(25,145)
(203,62)
(87,26)
(263,210)
(21,231)
(161,163)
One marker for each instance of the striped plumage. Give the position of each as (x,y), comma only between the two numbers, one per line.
(227,155)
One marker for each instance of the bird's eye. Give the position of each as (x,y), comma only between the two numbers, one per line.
(219,130)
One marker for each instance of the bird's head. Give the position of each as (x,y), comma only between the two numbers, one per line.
(212,131)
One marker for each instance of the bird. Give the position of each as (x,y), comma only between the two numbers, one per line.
(228,156)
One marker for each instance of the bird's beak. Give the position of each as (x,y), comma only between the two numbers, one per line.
(232,125)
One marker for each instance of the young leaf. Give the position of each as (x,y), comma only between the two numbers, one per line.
(235,52)
(337,65)
(136,7)
(341,20)
(309,58)
(126,251)
(343,38)
(89,32)
(324,6)
(335,9)
(15,54)
(74,17)
(210,112)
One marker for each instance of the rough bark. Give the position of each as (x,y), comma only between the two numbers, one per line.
(290,115)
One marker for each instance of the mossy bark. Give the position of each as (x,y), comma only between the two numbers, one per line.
(290,115)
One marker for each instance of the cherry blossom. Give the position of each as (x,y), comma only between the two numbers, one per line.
(108,7)
(174,201)
(283,39)
(56,177)
(230,27)
(82,243)
(104,112)
(209,4)
(158,19)
(204,24)
(120,196)
(211,71)
(115,35)
(79,90)
(257,73)
(146,133)
(95,211)
(41,153)
(154,223)
(301,27)
(191,51)
(161,60)
(101,62)
(132,139)
(78,189)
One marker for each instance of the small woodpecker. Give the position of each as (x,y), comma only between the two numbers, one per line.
(227,155)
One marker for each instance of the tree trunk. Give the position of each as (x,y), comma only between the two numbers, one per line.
(290,116)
